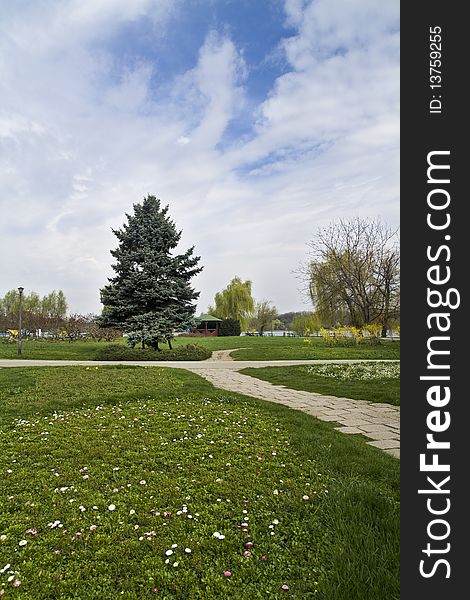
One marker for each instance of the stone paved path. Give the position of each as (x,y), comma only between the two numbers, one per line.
(378,421)
(222,355)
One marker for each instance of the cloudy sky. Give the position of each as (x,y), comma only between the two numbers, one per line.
(256,121)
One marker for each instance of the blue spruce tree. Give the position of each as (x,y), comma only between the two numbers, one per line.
(150,296)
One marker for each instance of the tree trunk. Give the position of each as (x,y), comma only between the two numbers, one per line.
(386,312)
(169,345)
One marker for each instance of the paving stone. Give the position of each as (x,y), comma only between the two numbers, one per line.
(349,430)
(352,422)
(377,420)
(369,413)
(383,435)
(342,414)
(385,444)
(375,427)
(360,415)
(335,417)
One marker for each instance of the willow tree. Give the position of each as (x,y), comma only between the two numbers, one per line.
(234,302)
(353,275)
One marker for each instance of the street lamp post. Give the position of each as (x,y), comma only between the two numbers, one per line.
(20,289)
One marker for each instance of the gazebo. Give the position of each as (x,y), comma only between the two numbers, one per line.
(207,325)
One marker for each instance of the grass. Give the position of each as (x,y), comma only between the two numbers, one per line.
(254,348)
(52,350)
(376,382)
(159,441)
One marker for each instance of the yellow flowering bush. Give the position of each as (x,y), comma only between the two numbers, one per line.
(351,336)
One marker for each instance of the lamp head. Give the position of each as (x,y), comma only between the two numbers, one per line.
(21,289)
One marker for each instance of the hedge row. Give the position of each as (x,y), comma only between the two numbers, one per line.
(118,352)
(230,327)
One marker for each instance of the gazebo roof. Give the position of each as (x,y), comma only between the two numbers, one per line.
(206,317)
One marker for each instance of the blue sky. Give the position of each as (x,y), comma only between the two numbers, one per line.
(257,122)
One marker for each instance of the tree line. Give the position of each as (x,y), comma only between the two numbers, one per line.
(47,316)
(235,304)
(46,313)
(351,277)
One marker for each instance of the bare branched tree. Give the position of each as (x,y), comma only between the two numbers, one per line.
(353,273)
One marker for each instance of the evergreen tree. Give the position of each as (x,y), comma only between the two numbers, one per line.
(230,327)
(150,296)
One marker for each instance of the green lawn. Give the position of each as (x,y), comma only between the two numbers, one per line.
(290,348)
(315,349)
(376,382)
(52,350)
(111,473)
(255,348)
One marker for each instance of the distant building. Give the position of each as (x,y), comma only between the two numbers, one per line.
(207,325)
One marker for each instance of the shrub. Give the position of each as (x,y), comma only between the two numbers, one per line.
(230,327)
(118,352)
(350,336)
(188,352)
(306,324)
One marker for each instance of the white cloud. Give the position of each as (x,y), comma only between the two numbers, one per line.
(131,94)
(83,137)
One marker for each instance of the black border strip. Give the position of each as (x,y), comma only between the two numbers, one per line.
(423,132)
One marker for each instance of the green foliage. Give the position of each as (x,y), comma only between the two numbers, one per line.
(188,352)
(235,302)
(305,324)
(264,316)
(230,327)
(54,304)
(47,313)
(287,318)
(120,352)
(150,296)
